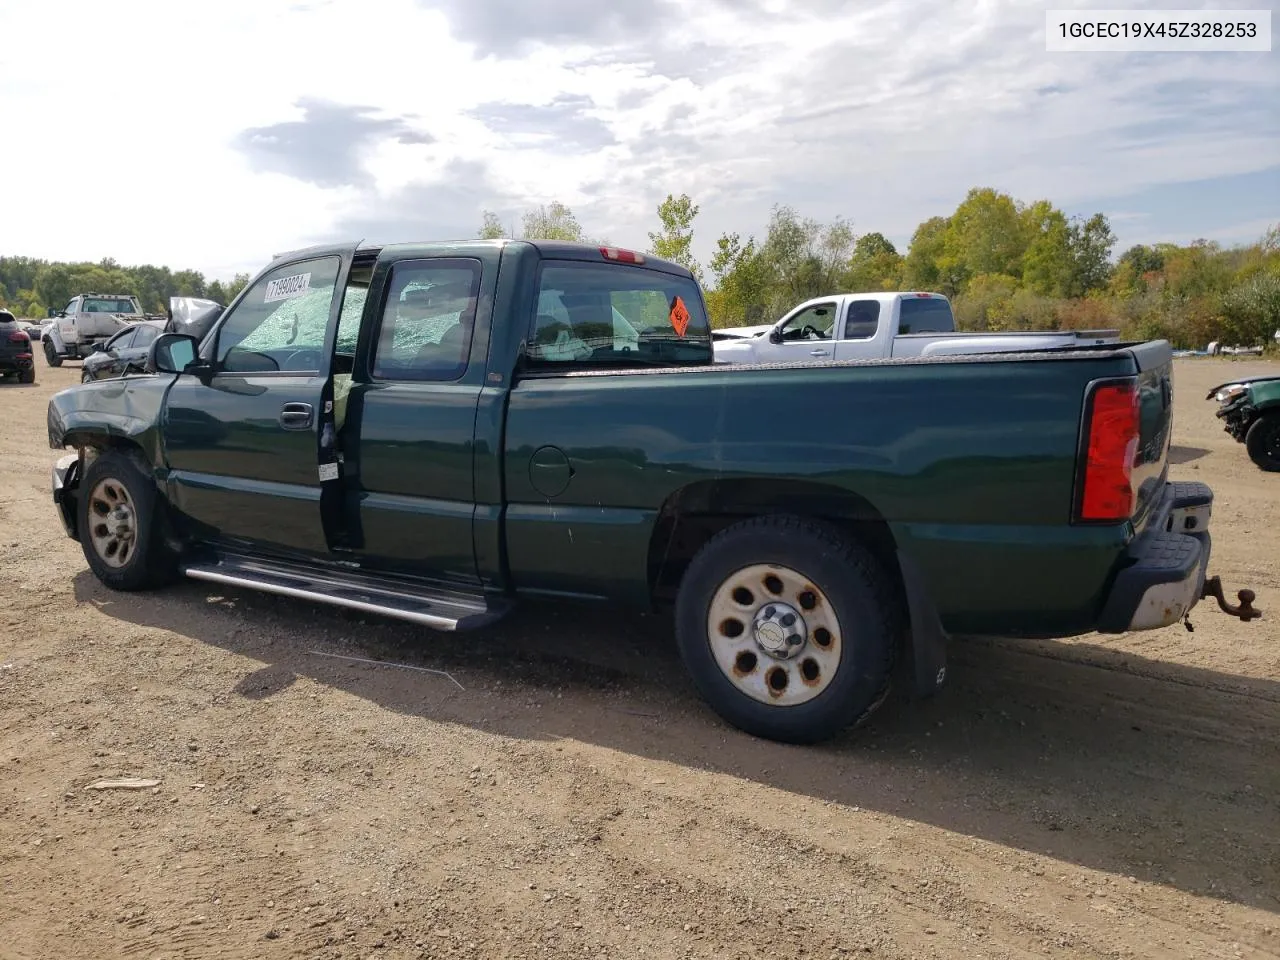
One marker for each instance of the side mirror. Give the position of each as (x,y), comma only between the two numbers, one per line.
(775,335)
(172,353)
(99,347)
(53,312)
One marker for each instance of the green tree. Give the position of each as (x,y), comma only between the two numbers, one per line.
(1089,244)
(875,265)
(740,283)
(235,286)
(1252,310)
(1047,262)
(921,268)
(675,241)
(492,228)
(986,235)
(554,221)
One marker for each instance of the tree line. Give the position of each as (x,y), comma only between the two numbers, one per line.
(29,286)
(1005,264)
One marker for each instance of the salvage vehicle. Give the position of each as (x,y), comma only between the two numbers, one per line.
(88,321)
(865,326)
(1249,409)
(16,359)
(402,430)
(124,353)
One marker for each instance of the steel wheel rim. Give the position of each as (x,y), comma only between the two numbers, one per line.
(774,635)
(112,523)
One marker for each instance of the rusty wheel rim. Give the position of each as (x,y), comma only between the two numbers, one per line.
(774,635)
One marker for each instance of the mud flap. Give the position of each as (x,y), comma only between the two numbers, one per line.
(926,649)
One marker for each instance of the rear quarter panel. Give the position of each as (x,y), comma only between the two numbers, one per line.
(971,463)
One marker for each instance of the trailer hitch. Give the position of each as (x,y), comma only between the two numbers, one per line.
(1246,611)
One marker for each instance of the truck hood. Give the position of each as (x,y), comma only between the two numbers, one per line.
(1225,392)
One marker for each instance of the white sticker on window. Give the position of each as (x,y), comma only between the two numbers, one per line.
(286,287)
(328,471)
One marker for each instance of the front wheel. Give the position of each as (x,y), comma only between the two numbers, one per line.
(121,525)
(1263,441)
(788,628)
(51,354)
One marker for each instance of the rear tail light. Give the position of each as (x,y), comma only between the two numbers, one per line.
(19,337)
(622,256)
(1110,448)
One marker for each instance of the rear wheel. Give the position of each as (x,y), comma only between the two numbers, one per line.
(27,376)
(1263,441)
(121,525)
(51,354)
(788,628)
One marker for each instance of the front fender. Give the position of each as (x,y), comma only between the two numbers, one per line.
(107,412)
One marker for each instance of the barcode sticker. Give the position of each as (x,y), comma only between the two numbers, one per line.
(328,471)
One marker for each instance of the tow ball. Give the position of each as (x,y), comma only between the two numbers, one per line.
(1246,611)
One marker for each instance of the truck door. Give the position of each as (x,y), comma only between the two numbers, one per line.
(242,446)
(805,337)
(409,417)
(858,327)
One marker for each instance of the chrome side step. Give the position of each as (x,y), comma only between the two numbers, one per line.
(439,609)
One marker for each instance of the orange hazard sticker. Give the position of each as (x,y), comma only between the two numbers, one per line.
(679,317)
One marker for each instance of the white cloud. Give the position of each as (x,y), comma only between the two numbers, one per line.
(136,148)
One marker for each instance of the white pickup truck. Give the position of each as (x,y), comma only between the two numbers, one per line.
(86,321)
(868,326)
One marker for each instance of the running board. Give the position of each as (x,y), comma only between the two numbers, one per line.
(438,608)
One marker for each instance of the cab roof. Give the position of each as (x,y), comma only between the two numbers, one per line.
(548,249)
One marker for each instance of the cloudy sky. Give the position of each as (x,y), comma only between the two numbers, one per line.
(213,135)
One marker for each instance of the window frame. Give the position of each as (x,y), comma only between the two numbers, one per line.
(847,320)
(215,335)
(378,318)
(835,309)
(538,366)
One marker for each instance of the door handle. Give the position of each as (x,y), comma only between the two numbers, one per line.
(295,416)
(819,353)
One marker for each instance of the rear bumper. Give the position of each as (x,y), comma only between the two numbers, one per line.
(1165,567)
(13,364)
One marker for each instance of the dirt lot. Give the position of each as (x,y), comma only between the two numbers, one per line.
(1105,797)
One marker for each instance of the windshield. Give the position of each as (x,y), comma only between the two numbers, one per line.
(108,305)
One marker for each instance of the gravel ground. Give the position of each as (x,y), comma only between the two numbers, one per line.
(1100,797)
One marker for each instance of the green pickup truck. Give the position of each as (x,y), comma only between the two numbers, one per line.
(436,431)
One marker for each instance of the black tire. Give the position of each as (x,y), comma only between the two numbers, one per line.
(86,376)
(51,355)
(27,376)
(149,563)
(1263,441)
(860,593)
